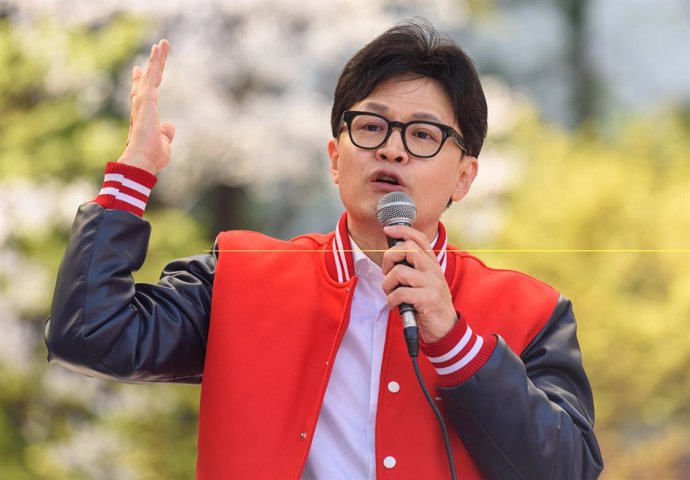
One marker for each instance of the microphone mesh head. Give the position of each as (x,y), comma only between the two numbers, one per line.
(396,208)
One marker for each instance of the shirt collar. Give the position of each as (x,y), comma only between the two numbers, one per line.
(361,261)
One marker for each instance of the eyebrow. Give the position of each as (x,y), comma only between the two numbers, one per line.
(383,108)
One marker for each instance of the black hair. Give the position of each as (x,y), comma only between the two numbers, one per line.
(415,47)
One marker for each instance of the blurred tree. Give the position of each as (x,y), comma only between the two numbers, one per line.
(584,85)
(56,106)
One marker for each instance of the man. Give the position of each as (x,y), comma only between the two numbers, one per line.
(299,348)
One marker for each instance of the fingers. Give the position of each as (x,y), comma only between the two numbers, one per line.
(152,77)
(137,72)
(403,232)
(156,65)
(423,271)
(415,249)
(402,276)
(145,83)
(427,291)
(165,49)
(408,295)
(136,78)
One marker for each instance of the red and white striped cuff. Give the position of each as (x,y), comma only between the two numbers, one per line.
(460,354)
(125,187)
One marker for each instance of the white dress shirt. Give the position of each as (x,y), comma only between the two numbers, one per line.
(343,445)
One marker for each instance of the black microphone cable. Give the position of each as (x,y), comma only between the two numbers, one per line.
(444,430)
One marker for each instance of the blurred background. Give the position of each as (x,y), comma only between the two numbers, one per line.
(584,183)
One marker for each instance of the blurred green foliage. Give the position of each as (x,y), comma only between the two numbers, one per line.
(620,190)
(612,188)
(50,128)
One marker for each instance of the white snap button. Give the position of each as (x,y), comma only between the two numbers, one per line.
(393,387)
(389,462)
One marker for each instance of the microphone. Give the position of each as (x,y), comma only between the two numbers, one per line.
(398,208)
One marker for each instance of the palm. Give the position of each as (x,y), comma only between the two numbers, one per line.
(148,143)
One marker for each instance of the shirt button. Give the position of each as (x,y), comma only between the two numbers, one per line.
(389,462)
(393,387)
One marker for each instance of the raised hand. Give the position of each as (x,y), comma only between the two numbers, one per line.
(148,142)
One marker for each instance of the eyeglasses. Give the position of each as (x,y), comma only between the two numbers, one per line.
(422,139)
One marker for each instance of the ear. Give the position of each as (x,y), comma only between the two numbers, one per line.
(469,166)
(334,157)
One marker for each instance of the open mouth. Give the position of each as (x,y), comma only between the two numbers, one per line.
(388,180)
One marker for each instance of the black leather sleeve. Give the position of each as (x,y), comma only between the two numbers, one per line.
(530,417)
(102,324)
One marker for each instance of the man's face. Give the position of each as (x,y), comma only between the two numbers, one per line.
(364,176)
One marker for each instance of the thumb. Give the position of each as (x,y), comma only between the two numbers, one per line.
(168,131)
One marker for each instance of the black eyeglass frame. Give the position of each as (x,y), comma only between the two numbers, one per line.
(446,130)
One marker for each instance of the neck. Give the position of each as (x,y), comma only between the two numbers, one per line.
(370,240)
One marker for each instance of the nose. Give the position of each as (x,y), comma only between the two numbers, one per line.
(393,149)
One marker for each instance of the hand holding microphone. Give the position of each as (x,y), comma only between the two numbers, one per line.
(398,208)
(420,291)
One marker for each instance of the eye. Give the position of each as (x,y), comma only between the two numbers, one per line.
(365,123)
(424,132)
(372,127)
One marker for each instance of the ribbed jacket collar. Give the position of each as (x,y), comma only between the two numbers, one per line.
(340,261)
